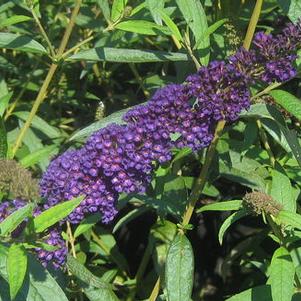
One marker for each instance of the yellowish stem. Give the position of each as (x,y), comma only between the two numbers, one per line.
(43,91)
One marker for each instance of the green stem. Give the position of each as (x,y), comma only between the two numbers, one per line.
(76,47)
(43,32)
(43,91)
(201,180)
(252,24)
(187,45)
(139,79)
(69,28)
(220,126)
(267,90)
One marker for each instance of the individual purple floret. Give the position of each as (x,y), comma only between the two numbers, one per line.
(57,257)
(220,92)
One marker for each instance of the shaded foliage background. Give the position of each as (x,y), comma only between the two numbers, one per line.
(106,72)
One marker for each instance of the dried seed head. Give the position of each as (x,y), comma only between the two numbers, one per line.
(16,181)
(260,202)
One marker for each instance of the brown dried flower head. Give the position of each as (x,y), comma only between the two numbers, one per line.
(16,181)
(259,202)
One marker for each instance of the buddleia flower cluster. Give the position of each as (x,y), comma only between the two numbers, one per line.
(121,158)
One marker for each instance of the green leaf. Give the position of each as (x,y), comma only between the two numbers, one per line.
(171,25)
(292,140)
(105,8)
(155,7)
(15,219)
(39,286)
(121,55)
(4,100)
(275,130)
(282,191)
(282,272)
(87,224)
(288,101)
(96,294)
(194,15)
(118,9)
(54,214)
(19,42)
(179,269)
(3,140)
(40,124)
(138,8)
(36,156)
(16,268)
(242,170)
(292,8)
(222,206)
(289,219)
(211,29)
(80,271)
(260,110)
(257,293)
(229,221)
(14,20)
(143,27)
(113,118)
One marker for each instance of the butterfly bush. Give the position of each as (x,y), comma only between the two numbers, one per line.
(121,158)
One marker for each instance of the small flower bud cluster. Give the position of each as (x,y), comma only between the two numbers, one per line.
(17,182)
(259,202)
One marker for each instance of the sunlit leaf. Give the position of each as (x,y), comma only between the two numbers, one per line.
(20,42)
(179,269)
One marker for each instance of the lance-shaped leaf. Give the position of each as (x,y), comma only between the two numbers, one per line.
(282,272)
(143,27)
(179,269)
(260,293)
(287,218)
(123,55)
(15,219)
(222,206)
(229,221)
(194,15)
(16,268)
(288,101)
(55,214)
(20,42)
(282,191)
